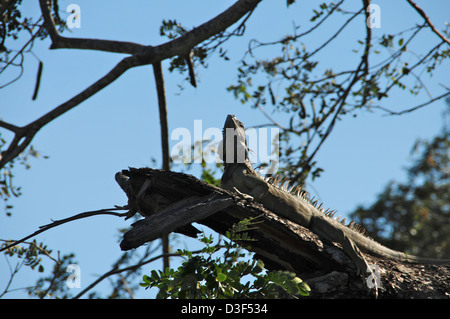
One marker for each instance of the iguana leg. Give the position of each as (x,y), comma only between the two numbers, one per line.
(326,230)
(242,195)
(248,186)
(257,186)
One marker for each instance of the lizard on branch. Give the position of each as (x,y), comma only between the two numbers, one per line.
(241,177)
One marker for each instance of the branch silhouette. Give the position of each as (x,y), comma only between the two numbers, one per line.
(107,211)
(140,55)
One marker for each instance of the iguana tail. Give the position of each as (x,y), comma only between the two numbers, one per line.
(366,244)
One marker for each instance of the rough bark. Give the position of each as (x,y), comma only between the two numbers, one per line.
(172,201)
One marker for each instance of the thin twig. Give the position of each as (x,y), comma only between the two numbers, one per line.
(427,20)
(296,36)
(66,220)
(413,108)
(342,101)
(133,267)
(144,55)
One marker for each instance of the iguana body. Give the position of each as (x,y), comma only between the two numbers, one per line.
(240,176)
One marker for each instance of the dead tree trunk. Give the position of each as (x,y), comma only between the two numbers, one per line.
(172,201)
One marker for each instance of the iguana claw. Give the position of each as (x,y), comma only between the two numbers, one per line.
(242,195)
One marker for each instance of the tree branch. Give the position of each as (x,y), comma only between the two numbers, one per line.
(413,108)
(25,134)
(427,20)
(116,270)
(179,46)
(60,42)
(141,56)
(174,216)
(162,106)
(278,242)
(66,220)
(362,67)
(10,127)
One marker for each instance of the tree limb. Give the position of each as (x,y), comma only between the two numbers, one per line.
(24,135)
(278,242)
(415,107)
(142,55)
(427,20)
(179,46)
(162,106)
(116,270)
(61,42)
(66,220)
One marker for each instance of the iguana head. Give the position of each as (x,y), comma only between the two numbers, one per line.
(233,147)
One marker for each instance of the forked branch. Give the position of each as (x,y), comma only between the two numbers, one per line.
(428,21)
(140,55)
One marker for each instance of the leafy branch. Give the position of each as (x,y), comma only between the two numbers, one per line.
(218,271)
(315,95)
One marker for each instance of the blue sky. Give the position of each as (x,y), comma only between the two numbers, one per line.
(119,126)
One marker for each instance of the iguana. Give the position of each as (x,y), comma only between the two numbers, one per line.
(241,177)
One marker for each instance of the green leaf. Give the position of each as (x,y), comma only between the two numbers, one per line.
(147,279)
(304,289)
(259,266)
(155,275)
(221,277)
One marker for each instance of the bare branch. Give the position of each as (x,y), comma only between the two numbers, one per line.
(116,270)
(190,64)
(362,67)
(334,35)
(60,42)
(66,220)
(141,56)
(415,107)
(179,46)
(162,106)
(427,20)
(418,63)
(10,126)
(25,135)
(182,45)
(296,36)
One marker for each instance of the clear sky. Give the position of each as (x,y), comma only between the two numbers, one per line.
(119,126)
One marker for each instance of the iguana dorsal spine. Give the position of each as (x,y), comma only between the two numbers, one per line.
(240,176)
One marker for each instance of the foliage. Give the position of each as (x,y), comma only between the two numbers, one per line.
(413,216)
(221,272)
(54,285)
(14,26)
(172,29)
(8,189)
(315,93)
(29,254)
